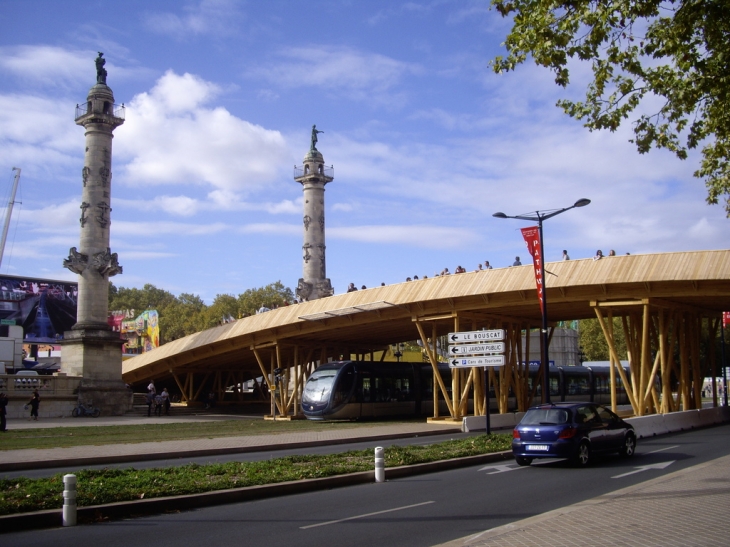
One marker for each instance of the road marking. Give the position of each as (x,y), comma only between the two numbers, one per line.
(661,465)
(662,449)
(500,468)
(366,515)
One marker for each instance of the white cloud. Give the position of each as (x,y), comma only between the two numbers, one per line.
(123,229)
(216,17)
(357,75)
(171,137)
(412,235)
(48,65)
(270,228)
(29,120)
(186,206)
(344,207)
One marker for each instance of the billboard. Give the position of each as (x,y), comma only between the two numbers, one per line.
(45,308)
(142,332)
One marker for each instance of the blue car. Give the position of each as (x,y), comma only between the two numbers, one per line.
(574,431)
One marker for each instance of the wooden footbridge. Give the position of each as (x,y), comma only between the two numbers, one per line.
(665,302)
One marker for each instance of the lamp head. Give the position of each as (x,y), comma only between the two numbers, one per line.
(499,215)
(582,202)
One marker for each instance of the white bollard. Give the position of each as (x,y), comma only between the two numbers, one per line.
(69,500)
(379,464)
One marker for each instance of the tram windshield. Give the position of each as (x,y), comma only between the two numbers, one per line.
(319,386)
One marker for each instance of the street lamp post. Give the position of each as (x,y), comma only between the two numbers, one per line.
(539,217)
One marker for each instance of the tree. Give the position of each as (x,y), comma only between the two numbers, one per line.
(223,309)
(149,297)
(593,343)
(675,50)
(271,296)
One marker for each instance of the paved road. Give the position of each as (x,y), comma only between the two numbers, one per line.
(440,507)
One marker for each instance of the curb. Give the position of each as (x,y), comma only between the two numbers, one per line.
(50,464)
(52,518)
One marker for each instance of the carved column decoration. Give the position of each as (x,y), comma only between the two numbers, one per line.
(83,218)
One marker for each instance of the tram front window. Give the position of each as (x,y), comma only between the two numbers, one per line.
(319,386)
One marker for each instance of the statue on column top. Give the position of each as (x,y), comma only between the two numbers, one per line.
(314,137)
(100,70)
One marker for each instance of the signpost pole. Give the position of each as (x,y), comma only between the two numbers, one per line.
(722,356)
(486,409)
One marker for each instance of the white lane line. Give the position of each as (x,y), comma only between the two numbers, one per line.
(367,515)
(662,449)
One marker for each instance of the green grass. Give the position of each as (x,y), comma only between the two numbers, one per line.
(113,485)
(62,437)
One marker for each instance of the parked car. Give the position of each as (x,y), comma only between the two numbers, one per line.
(574,431)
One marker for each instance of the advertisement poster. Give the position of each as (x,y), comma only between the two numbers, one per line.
(45,308)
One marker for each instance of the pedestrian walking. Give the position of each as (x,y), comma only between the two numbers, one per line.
(34,403)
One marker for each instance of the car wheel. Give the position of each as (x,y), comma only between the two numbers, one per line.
(583,456)
(521,460)
(629,447)
(75,412)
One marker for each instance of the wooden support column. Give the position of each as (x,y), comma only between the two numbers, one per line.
(438,383)
(612,348)
(180,386)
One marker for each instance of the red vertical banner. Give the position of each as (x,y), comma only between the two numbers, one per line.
(532,238)
(726,319)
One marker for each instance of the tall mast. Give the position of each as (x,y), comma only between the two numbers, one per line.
(8,213)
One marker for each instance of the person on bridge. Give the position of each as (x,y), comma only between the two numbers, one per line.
(517,261)
(487,265)
(565,255)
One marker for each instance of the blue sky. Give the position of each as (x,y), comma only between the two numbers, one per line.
(426,142)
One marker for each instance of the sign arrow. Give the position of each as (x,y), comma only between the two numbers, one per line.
(486,361)
(480,349)
(477,336)
(639,469)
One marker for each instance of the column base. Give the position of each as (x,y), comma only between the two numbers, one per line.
(94,352)
(112,397)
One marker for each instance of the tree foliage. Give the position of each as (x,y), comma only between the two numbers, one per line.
(187,313)
(593,343)
(676,51)
(271,296)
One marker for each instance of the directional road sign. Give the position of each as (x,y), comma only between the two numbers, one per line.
(476,336)
(476,349)
(487,361)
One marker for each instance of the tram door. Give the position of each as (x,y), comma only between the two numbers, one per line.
(365,393)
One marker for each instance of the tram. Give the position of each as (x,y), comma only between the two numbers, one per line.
(354,390)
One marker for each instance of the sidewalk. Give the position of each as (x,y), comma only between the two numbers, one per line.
(34,458)
(689,507)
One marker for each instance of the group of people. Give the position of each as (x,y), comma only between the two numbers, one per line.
(160,401)
(480,268)
(33,404)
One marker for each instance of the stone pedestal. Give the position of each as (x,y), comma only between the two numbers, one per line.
(95,354)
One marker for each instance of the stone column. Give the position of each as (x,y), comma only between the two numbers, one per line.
(91,349)
(313,176)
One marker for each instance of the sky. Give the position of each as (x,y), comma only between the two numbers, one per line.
(427,142)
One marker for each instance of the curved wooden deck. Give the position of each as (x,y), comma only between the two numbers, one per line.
(371,319)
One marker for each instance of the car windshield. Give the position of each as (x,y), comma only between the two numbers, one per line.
(319,386)
(545,416)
